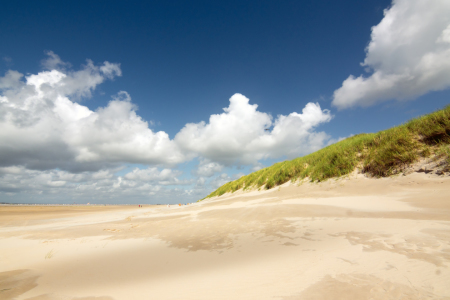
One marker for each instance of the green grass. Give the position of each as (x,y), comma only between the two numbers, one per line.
(379,154)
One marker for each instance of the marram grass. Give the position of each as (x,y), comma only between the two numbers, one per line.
(379,154)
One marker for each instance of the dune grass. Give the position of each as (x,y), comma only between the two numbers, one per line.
(379,154)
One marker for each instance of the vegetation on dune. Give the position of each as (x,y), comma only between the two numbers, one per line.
(379,154)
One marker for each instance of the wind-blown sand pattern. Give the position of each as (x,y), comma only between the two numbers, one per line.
(355,238)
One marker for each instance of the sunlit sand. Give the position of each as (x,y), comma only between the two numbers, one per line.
(354,238)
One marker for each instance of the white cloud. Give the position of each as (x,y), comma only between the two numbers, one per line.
(257,167)
(53,146)
(409,54)
(223,178)
(220,180)
(101,186)
(163,177)
(201,181)
(117,134)
(42,128)
(239,135)
(53,62)
(10,80)
(333,141)
(207,168)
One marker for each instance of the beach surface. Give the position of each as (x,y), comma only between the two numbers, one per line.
(352,238)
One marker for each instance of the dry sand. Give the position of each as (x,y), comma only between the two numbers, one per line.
(355,238)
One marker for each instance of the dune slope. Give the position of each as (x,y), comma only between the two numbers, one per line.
(381,154)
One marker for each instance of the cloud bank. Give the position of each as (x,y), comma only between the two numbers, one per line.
(140,185)
(51,143)
(408,55)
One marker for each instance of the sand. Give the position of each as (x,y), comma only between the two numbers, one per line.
(354,238)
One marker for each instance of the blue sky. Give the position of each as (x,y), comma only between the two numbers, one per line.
(127,127)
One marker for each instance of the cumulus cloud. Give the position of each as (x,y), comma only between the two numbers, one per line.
(207,168)
(240,134)
(163,177)
(408,55)
(11,80)
(43,128)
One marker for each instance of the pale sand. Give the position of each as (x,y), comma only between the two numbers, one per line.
(354,238)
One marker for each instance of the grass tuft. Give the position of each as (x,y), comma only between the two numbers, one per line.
(390,152)
(49,254)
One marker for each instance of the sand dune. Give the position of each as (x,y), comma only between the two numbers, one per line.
(354,238)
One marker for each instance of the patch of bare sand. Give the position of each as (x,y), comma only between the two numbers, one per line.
(353,238)
(17,282)
(359,286)
(56,297)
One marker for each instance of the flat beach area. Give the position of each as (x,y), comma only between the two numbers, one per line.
(352,238)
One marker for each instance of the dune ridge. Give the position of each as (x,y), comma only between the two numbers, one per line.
(381,154)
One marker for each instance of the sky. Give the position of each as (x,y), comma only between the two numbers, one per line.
(162,102)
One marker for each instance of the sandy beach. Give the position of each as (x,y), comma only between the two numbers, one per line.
(352,238)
